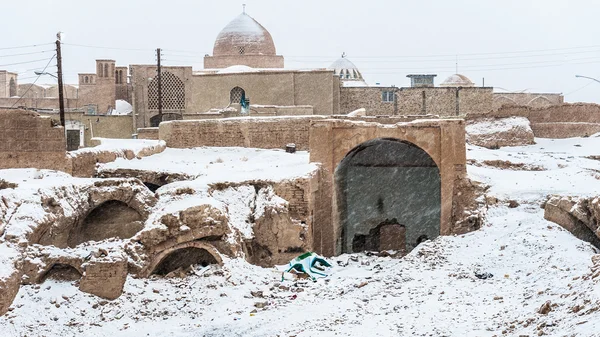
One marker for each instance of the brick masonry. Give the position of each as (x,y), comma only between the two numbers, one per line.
(104,278)
(29,140)
(555,121)
(264,133)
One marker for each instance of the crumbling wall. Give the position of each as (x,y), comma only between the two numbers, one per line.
(83,162)
(580,216)
(468,205)
(495,133)
(555,121)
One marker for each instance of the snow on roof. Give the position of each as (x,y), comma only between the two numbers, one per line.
(223,164)
(342,63)
(457,80)
(242,32)
(243,24)
(237,69)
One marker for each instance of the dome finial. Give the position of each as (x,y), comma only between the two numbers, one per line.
(244,8)
(343,54)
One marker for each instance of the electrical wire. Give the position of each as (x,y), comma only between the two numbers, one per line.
(29,46)
(111,48)
(32,53)
(576,90)
(25,62)
(38,77)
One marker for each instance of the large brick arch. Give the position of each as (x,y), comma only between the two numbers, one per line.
(160,256)
(331,140)
(387,183)
(57,231)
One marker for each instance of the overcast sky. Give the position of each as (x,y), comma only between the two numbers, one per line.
(533,45)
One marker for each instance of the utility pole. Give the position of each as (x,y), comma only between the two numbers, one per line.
(61,101)
(159,84)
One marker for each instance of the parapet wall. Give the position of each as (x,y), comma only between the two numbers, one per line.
(557,121)
(263,133)
(30,140)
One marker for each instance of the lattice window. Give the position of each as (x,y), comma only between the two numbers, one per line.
(173,92)
(236,94)
(241,50)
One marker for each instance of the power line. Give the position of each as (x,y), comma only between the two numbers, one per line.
(21,54)
(479,70)
(25,62)
(576,90)
(29,46)
(38,77)
(112,48)
(459,54)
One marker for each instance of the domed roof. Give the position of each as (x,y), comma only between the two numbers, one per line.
(345,69)
(244,36)
(457,80)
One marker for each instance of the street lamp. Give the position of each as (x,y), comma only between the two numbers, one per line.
(589,78)
(39,73)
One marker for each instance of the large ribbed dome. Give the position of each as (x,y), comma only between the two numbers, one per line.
(345,69)
(457,80)
(244,36)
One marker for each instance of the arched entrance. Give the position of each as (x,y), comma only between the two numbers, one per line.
(388,196)
(61,272)
(112,219)
(182,255)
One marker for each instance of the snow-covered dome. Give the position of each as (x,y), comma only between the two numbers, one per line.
(457,80)
(346,70)
(244,36)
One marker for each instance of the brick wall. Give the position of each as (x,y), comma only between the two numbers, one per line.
(100,126)
(147,133)
(29,140)
(370,98)
(535,100)
(442,101)
(104,278)
(555,121)
(264,133)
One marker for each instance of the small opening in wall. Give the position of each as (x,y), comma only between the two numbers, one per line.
(241,50)
(61,272)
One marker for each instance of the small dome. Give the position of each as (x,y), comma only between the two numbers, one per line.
(346,70)
(457,80)
(244,36)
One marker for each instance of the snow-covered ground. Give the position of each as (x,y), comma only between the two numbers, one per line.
(230,164)
(431,292)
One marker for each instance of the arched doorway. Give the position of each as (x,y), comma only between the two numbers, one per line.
(112,219)
(183,258)
(165,117)
(61,272)
(388,196)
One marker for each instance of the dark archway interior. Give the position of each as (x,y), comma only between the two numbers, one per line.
(388,196)
(112,219)
(61,272)
(183,258)
(152,187)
